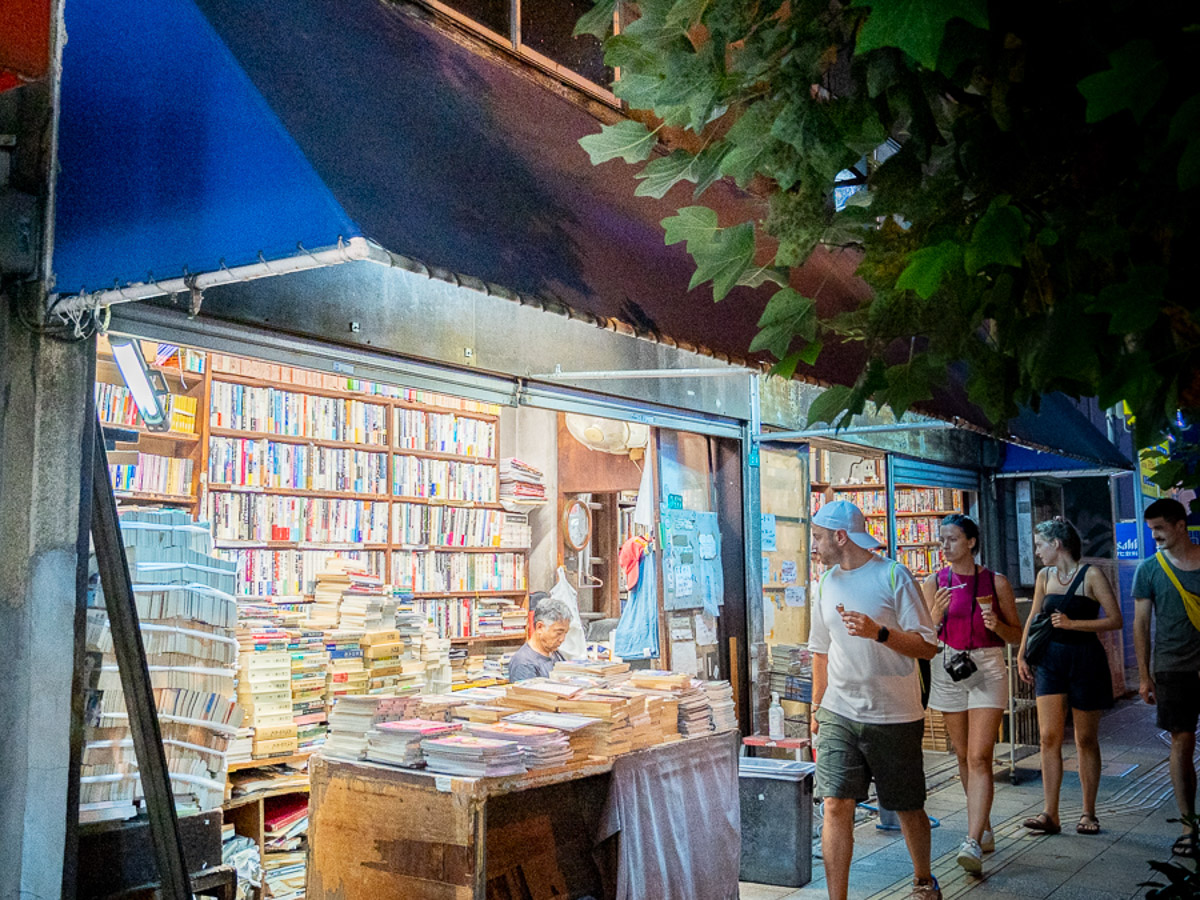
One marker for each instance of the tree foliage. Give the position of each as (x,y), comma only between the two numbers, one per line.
(1030,172)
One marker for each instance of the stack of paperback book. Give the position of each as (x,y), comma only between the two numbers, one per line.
(398,743)
(352,718)
(310,660)
(544,748)
(461,754)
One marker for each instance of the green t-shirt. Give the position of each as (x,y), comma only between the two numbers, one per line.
(1176,640)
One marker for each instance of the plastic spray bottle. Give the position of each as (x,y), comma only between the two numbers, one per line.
(775,718)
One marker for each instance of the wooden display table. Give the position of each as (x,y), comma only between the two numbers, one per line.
(380,831)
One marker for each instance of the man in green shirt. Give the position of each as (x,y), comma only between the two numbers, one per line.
(1172,682)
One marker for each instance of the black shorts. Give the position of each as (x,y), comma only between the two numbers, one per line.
(1079,670)
(1178,698)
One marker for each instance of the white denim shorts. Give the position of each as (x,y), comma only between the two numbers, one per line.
(985,688)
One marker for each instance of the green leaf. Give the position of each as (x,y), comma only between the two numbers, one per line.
(708,167)
(724,259)
(759,276)
(686,13)
(830,405)
(749,141)
(790,308)
(927,266)
(639,91)
(786,367)
(630,54)
(915,26)
(1135,81)
(998,238)
(1134,304)
(597,21)
(694,224)
(907,384)
(627,140)
(662,174)
(776,339)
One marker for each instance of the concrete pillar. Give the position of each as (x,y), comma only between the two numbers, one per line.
(44,384)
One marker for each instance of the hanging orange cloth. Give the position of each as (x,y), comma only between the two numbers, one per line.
(630,555)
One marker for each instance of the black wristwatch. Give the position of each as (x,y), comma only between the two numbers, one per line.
(883,634)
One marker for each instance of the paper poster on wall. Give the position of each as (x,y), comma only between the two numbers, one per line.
(795,595)
(787,571)
(766,570)
(683,657)
(692,574)
(706,630)
(768,532)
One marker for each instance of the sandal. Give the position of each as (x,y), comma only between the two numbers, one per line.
(1185,846)
(1088,825)
(1042,824)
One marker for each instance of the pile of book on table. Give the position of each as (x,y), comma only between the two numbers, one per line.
(476,757)
(520,484)
(398,743)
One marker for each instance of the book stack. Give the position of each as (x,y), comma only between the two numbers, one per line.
(544,748)
(721,709)
(475,757)
(187,617)
(362,603)
(265,690)
(398,743)
(791,672)
(352,718)
(285,875)
(310,661)
(435,653)
(613,673)
(325,610)
(694,715)
(437,707)
(581,731)
(387,663)
(285,822)
(346,673)
(481,712)
(516,531)
(521,485)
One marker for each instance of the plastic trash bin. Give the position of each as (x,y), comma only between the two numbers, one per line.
(776,802)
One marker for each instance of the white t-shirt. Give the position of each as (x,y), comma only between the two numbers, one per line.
(869,681)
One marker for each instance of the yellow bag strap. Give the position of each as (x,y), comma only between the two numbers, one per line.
(1191,602)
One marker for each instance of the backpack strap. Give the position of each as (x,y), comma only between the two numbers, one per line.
(1191,602)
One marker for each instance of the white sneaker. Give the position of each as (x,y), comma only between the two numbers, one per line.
(970,856)
(987,842)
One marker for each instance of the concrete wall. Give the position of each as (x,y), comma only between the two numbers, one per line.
(44,384)
(531,435)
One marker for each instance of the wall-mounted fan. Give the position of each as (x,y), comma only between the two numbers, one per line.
(607,435)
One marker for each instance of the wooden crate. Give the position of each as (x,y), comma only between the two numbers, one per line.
(936,737)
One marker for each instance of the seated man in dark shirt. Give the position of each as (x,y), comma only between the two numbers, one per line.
(551,622)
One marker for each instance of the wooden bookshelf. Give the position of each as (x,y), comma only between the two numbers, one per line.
(166,444)
(293,760)
(488,638)
(297,492)
(300,440)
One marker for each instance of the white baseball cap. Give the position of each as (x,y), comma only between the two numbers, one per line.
(842,515)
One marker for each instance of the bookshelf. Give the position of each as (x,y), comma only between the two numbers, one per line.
(159,467)
(919,513)
(299,465)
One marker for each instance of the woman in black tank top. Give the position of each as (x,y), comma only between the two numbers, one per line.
(1073,671)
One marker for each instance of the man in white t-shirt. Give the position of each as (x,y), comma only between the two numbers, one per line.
(869,626)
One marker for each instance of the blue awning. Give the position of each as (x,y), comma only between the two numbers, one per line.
(170,161)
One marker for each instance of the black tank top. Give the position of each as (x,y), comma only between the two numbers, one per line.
(1074,606)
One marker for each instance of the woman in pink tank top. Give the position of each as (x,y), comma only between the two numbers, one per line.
(975,613)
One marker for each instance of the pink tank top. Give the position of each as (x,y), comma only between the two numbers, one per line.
(963,628)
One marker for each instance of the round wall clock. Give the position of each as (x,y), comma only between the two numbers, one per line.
(577,524)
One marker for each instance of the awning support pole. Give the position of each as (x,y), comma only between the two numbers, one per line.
(600,375)
(851,431)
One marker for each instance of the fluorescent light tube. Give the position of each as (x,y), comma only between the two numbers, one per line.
(128,355)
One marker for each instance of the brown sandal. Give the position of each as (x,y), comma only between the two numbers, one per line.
(1042,824)
(1088,825)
